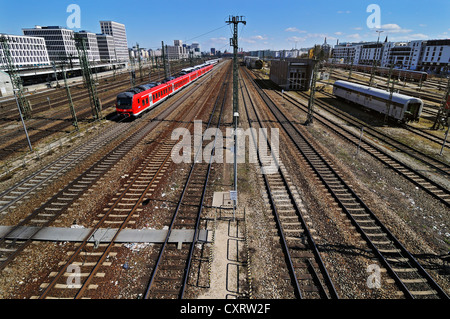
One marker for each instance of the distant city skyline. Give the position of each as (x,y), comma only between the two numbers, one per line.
(270,26)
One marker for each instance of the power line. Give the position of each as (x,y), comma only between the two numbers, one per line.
(205,33)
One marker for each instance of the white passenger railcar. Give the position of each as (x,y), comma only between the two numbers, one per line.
(400,107)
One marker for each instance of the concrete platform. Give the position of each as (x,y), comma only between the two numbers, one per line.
(102,235)
(222,200)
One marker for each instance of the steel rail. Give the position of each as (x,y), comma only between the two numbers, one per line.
(314,248)
(141,198)
(175,214)
(410,151)
(197,222)
(444,198)
(134,139)
(286,122)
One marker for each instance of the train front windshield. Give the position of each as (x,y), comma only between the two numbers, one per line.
(124,103)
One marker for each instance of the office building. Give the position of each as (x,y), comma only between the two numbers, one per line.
(25,52)
(176,51)
(60,42)
(119,34)
(91,45)
(106,48)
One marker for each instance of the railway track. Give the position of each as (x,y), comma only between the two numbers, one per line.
(46,125)
(418,131)
(413,175)
(421,132)
(52,208)
(169,279)
(398,146)
(58,97)
(400,264)
(122,212)
(308,273)
(51,172)
(422,95)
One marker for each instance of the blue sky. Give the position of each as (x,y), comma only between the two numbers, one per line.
(270,24)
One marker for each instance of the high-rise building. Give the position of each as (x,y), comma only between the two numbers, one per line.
(118,32)
(60,42)
(25,51)
(177,51)
(91,45)
(195,49)
(106,48)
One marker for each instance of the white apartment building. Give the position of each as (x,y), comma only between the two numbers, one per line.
(196,50)
(155,53)
(106,48)
(436,56)
(25,51)
(177,51)
(368,53)
(118,32)
(60,42)
(430,56)
(91,45)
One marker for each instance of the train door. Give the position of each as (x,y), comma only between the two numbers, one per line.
(414,110)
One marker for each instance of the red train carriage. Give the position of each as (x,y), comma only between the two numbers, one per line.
(144,97)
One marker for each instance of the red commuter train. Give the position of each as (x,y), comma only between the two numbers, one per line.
(144,97)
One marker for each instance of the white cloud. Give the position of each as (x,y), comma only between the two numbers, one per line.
(394,28)
(293,29)
(422,25)
(316,36)
(355,36)
(339,33)
(419,36)
(347,12)
(218,41)
(253,39)
(357,28)
(296,39)
(409,37)
(259,37)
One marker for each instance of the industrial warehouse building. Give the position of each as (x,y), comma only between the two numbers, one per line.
(292,74)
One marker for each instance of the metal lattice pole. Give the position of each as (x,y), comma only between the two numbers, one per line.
(139,60)
(234,43)
(69,97)
(16,80)
(90,84)
(164,53)
(372,74)
(310,116)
